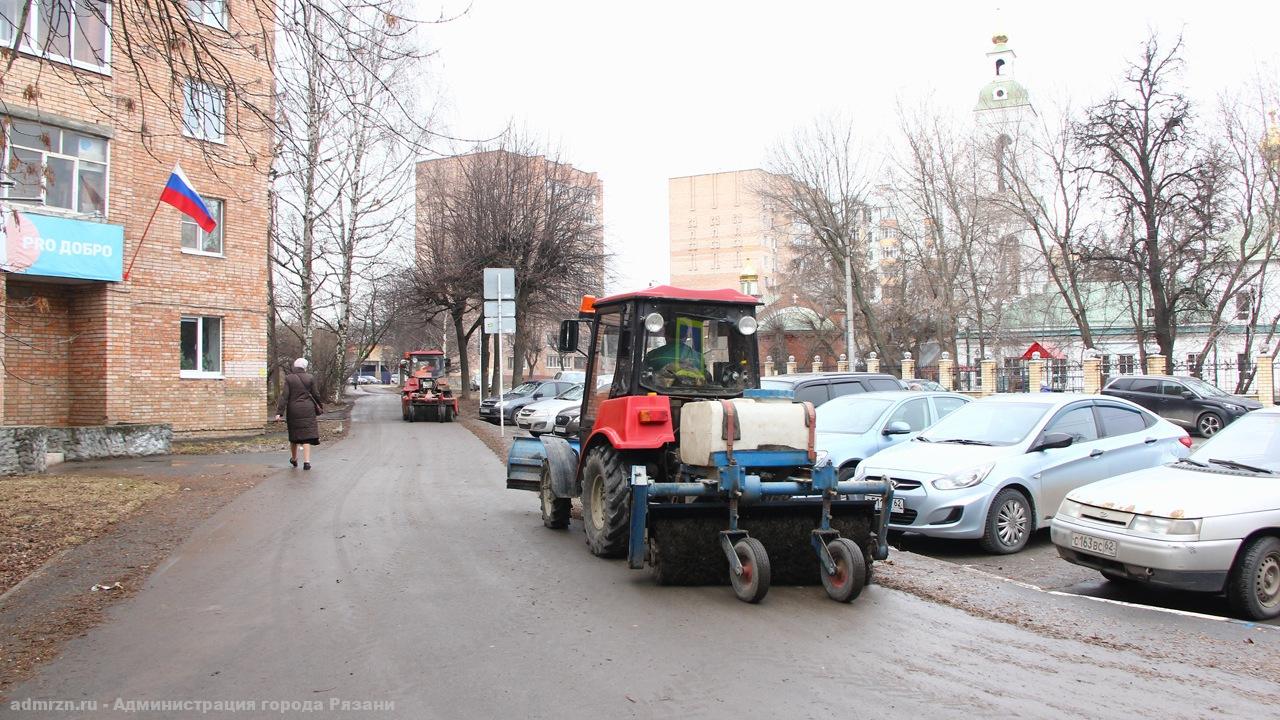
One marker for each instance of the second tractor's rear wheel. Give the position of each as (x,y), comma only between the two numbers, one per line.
(851,571)
(753,583)
(555,511)
(606,502)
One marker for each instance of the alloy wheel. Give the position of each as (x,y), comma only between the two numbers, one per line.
(1210,424)
(1011,522)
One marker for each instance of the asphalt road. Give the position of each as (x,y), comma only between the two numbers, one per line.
(400,571)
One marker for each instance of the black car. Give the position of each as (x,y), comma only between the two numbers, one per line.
(520,396)
(566,424)
(1187,401)
(818,388)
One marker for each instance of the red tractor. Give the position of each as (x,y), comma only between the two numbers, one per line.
(684,464)
(426,394)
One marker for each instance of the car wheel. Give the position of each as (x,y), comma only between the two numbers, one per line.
(847,471)
(1209,424)
(1253,588)
(1009,523)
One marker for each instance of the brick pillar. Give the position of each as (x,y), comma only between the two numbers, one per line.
(817,363)
(4,332)
(946,371)
(769,369)
(842,365)
(1035,374)
(1264,380)
(1092,375)
(791,364)
(873,363)
(119,348)
(988,377)
(1156,365)
(908,367)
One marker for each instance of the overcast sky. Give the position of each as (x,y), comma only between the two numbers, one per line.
(642,92)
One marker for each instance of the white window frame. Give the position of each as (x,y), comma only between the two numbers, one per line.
(199,11)
(189,90)
(201,374)
(6,125)
(32,31)
(201,234)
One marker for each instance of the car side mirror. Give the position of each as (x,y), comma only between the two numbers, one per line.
(1188,395)
(568,341)
(1053,441)
(897,427)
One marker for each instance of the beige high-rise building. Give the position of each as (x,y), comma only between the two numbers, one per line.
(720,226)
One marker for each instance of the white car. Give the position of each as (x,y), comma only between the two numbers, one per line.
(996,469)
(1210,522)
(540,417)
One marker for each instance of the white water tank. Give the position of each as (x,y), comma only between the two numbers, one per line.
(762,424)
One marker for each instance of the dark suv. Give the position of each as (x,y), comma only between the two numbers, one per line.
(1187,401)
(520,396)
(818,388)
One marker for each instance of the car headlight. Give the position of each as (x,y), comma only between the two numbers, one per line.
(1233,408)
(966,479)
(1069,508)
(1164,526)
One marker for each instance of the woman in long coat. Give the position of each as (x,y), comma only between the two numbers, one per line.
(300,404)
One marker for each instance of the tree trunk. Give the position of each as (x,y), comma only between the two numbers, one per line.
(485,362)
(464,363)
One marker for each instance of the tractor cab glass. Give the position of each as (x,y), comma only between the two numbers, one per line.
(429,364)
(698,351)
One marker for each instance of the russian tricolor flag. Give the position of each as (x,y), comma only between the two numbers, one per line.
(179,193)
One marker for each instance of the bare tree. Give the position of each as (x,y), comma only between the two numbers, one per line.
(1143,146)
(823,184)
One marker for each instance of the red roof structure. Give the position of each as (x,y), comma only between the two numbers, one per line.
(667,292)
(1047,352)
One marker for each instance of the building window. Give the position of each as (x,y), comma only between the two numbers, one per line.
(1244,304)
(1244,364)
(1126,365)
(201,347)
(195,239)
(209,12)
(204,111)
(75,32)
(62,168)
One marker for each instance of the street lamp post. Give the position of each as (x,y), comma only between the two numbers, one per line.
(848,300)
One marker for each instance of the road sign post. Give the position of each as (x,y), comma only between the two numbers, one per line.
(500,319)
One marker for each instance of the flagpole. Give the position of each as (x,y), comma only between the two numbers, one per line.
(142,239)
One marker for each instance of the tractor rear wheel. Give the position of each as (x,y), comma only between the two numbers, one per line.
(851,571)
(606,503)
(555,511)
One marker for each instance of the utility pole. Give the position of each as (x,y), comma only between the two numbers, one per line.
(848,301)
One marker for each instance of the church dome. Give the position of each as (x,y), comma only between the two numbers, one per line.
(999,94)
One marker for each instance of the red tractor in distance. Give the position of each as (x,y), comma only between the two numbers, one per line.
(426,394)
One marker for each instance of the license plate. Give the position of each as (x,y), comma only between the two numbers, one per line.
(899,505)
(1089,543)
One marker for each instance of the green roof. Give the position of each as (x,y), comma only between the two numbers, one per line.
(999,94)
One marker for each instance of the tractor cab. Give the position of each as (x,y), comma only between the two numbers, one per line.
(674,342)
(419,365)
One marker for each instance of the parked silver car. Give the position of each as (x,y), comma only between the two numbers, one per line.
(852,428)
(1209,523)
(998,468)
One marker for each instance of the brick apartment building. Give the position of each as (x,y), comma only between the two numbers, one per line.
(183,339)
(432,181)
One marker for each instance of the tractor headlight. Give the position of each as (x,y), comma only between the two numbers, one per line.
(966,479)
(747,325)
(1164,526)
(654,322)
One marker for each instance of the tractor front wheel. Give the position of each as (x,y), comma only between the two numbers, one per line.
(555,511)
(606,503)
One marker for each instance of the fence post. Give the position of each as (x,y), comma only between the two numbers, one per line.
(769,369)
(791,364)
(1265,379)
(1092,374)
(1156,366)
(842,365)
(988,377)
(946,374)
(817,363)
(873,363)
(1035,373)
(908,367)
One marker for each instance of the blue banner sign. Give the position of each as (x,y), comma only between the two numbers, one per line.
(52,246)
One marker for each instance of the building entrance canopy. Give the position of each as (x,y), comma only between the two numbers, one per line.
(52,246)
